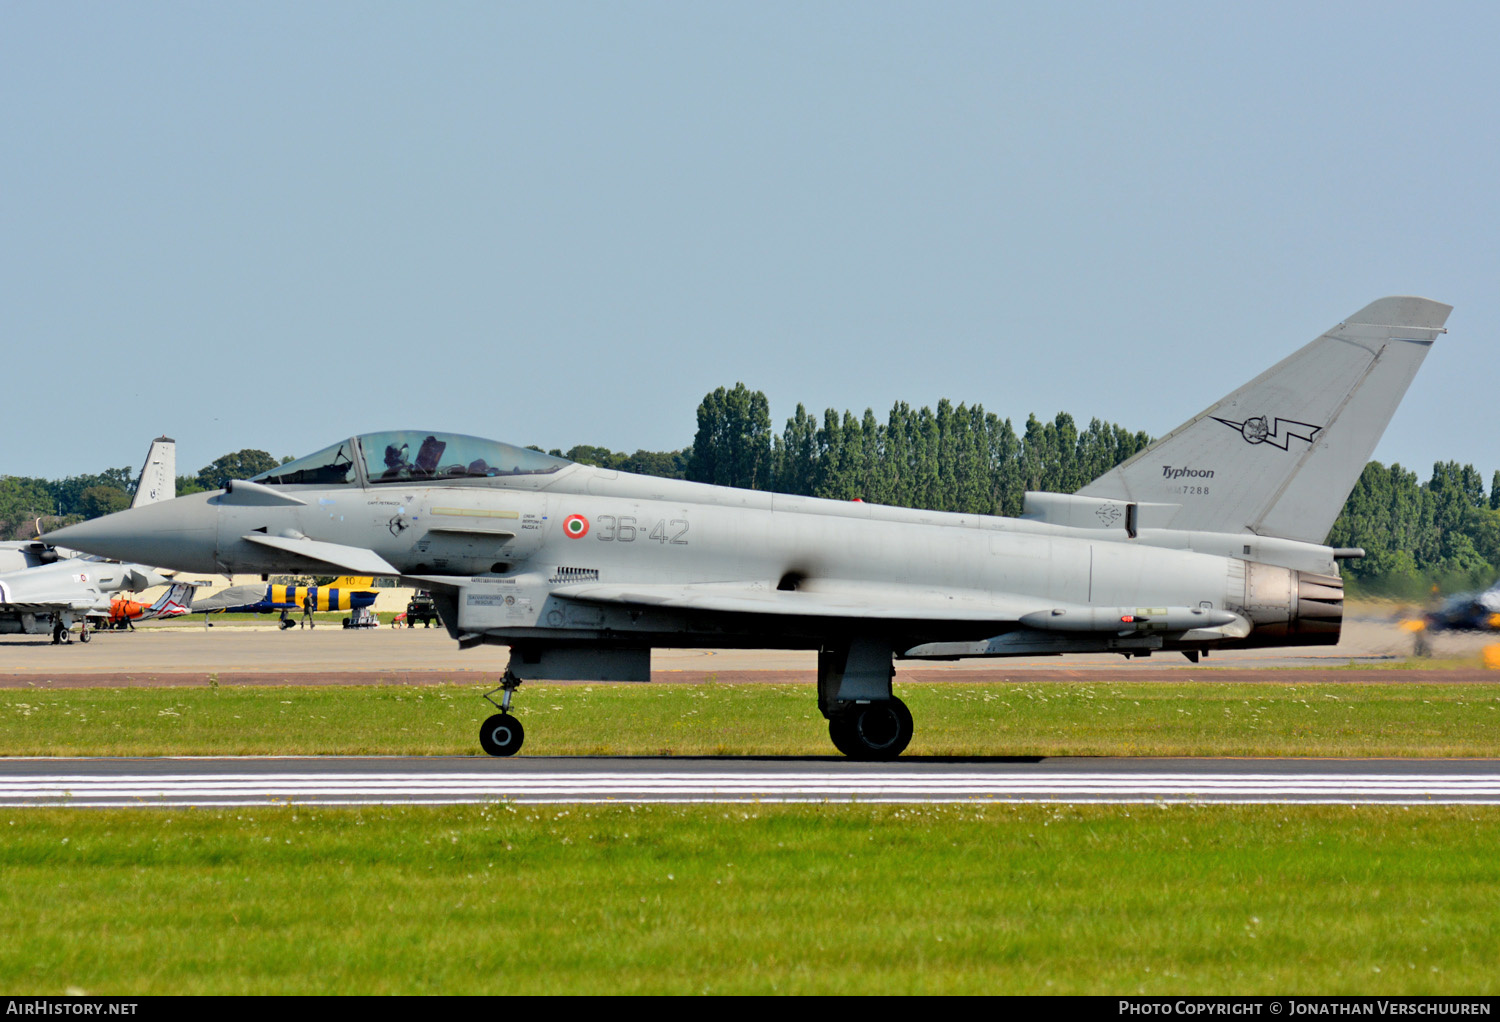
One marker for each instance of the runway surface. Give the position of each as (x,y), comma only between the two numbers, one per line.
(176,654)
(257,781)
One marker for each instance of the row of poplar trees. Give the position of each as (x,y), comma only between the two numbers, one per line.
(959,458)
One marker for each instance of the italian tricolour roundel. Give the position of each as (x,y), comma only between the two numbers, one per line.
(576,526)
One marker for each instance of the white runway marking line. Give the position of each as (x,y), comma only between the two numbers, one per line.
(352,788)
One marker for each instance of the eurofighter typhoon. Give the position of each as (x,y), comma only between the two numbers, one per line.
(1211,538)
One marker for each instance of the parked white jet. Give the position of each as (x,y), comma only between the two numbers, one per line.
(47,588)
(1211,538)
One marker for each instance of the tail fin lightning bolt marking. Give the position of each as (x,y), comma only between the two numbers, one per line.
(1257,431)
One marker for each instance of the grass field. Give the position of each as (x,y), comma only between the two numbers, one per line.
(1077,719)
(794,899)
(970,898)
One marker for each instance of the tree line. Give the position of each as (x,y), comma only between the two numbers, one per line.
(956,458)
(1444,531)
(58,502)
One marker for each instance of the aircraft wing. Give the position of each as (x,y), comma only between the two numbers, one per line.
(359,560)
(48,589)
(43,600)
(847,600)
(45,606)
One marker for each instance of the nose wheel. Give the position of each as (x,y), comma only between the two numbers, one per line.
(502,734)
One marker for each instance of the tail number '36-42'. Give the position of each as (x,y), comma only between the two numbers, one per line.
(610,528)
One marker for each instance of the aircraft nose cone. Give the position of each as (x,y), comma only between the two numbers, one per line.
(178,534)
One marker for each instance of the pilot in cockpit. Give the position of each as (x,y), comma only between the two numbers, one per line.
(395,461)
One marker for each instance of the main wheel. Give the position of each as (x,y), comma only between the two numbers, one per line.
(501,735)
(876,730)
(83,632)
(838,732)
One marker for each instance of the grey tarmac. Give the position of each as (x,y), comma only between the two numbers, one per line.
(333,781)
(252,654)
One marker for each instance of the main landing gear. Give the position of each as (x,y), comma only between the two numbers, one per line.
(62,631)
(865,720)
(873,730)
(501,734)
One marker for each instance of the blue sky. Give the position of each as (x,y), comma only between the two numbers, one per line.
(272,225)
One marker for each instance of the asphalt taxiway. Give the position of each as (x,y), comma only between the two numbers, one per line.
(265,781)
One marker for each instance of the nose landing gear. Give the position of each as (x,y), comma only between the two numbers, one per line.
(502,734)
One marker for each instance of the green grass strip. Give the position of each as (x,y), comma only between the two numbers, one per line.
(1078,719)
(753,899)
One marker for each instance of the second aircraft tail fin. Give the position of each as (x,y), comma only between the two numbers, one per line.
(1278,456)
(158,479)
(176,601)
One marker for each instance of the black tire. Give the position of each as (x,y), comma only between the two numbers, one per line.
(501,735)
(873,731)
(84,635)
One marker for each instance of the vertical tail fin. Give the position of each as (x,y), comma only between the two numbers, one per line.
(158,479)
(1279,456)
(175,602)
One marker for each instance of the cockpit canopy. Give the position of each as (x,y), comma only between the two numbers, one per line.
(332,466)
(413,455)
(404,455)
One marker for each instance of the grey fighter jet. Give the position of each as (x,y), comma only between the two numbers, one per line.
(1212,538)
(46,588)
